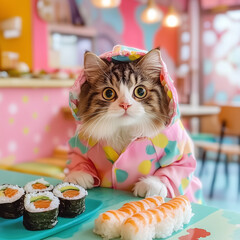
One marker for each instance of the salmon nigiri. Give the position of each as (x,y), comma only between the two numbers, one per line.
(158,222)
(108,224)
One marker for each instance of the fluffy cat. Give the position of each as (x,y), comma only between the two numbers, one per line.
(120,103)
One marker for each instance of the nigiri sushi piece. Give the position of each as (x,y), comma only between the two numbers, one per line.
(159,222)
(108,224)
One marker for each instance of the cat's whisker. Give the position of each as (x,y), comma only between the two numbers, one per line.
(102,70)
(93,113)
(92,126)
(157,117)
(88,125)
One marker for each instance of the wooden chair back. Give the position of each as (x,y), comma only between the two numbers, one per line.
(228,114)
(210,124)
(231,116)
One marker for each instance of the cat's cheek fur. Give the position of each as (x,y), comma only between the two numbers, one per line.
(150,186)
(81,178)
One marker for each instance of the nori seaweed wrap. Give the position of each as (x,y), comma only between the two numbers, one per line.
(11,201)
(41,211)
(72,199)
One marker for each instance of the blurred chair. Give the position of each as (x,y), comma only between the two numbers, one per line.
(226,123)
(52,166)
(207,138)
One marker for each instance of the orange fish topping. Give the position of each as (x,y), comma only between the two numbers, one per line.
(10,192)
(42,203)
(38,186)
(71,193)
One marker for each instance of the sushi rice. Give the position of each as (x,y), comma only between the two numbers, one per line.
(11,201)
(5,199)
(29,204)
(159,222)
(41,211)
(39,186)
(72,199)
(108,224)
(57,191)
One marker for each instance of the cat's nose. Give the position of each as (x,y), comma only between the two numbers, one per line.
(125,106)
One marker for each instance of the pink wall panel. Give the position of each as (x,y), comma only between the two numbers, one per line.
(31,123)
(216,3)
(39,40)
(168,38)
(132,34)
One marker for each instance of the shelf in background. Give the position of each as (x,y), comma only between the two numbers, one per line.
(73,30)
(35,83)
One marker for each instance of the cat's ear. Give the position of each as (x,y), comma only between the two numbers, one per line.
(93,65)
(150,63)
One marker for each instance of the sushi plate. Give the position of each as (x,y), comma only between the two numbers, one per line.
(13,229)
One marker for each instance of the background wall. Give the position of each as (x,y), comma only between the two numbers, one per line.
(121,25)
(31,123)
(221,57)
(23,44)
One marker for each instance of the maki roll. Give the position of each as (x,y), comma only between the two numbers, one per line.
(39,185)
(11,201)
(72,199)
(41,211)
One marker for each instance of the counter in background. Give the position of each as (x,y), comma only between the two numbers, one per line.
(35,83)
(190,111)
(31,123)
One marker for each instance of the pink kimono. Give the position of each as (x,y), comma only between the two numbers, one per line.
(169,155)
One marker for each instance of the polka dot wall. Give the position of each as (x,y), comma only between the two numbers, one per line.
(31,123)
(221,51)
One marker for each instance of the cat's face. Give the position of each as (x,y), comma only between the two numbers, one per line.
(122,95)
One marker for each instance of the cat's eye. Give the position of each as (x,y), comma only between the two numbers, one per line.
(108,94)
(140,92)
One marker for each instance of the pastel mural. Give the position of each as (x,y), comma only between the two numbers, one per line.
(124,26)
(221,61)
(121,25)
(215,3)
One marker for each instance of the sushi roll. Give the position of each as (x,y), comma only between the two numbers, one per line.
(72,199)
(11,201)
(39,185)
(109,223)
(159,222)
(41,211)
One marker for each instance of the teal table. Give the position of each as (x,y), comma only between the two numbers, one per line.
(207,222)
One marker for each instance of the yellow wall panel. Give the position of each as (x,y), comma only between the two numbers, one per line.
(23,44)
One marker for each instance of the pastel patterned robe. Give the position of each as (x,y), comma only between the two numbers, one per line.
(169,155)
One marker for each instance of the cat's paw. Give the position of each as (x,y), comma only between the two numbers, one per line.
(150,186)
(81,178)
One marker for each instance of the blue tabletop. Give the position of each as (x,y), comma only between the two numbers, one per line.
(207,222)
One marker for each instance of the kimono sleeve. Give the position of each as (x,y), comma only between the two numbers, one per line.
(78,160)
(176,172)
